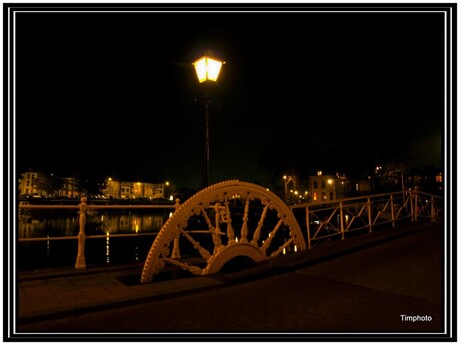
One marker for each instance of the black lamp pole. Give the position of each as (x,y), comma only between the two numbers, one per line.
(206,143)
(207,69)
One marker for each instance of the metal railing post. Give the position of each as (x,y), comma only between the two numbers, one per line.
(392,205)
(342,227)
(411,198)
(307,223)
(81,262)
(175,254)
(369,215)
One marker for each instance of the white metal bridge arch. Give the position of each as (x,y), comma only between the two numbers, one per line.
(240,219)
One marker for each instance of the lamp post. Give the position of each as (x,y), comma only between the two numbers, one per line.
(207,70)
(109,189)
(166,190)
(288,179)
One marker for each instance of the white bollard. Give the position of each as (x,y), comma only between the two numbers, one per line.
(81,262)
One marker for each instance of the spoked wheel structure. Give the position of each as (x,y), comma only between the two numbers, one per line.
(221,222)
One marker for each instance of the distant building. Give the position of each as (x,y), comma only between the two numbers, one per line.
(133,190)
(363,186)
(328,187)
(70,188)
(27,184)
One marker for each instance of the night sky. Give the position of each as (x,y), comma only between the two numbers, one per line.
(115,94)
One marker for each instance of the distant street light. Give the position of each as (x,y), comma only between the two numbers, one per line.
(166,189)
(288,179)
(207,70)
(110,188)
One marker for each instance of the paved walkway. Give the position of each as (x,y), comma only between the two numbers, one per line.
(336,290)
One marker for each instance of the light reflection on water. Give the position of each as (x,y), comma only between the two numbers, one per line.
(108,249)
(56,224)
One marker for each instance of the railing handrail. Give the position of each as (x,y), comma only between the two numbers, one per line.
(366,211)
(355,198)
(172,206)
(389,212)
(57,238)
(93,207)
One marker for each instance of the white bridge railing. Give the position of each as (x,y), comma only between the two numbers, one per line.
(325,220)
(319,222)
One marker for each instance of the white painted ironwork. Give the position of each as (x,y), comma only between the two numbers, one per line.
(81,261)
(240,218)
(234,218)
(335,219)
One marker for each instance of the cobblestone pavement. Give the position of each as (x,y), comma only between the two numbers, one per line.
(375,290)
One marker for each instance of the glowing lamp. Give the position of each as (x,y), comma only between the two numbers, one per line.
(207,68)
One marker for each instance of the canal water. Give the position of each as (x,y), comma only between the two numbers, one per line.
(46,238)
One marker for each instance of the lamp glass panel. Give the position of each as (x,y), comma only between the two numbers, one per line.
(213,69)
(200,68)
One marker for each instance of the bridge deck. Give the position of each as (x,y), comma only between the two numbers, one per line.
(364,284)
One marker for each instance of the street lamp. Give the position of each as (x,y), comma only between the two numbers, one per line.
(207,70)
(168,190)
(109,188)
(288,179)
